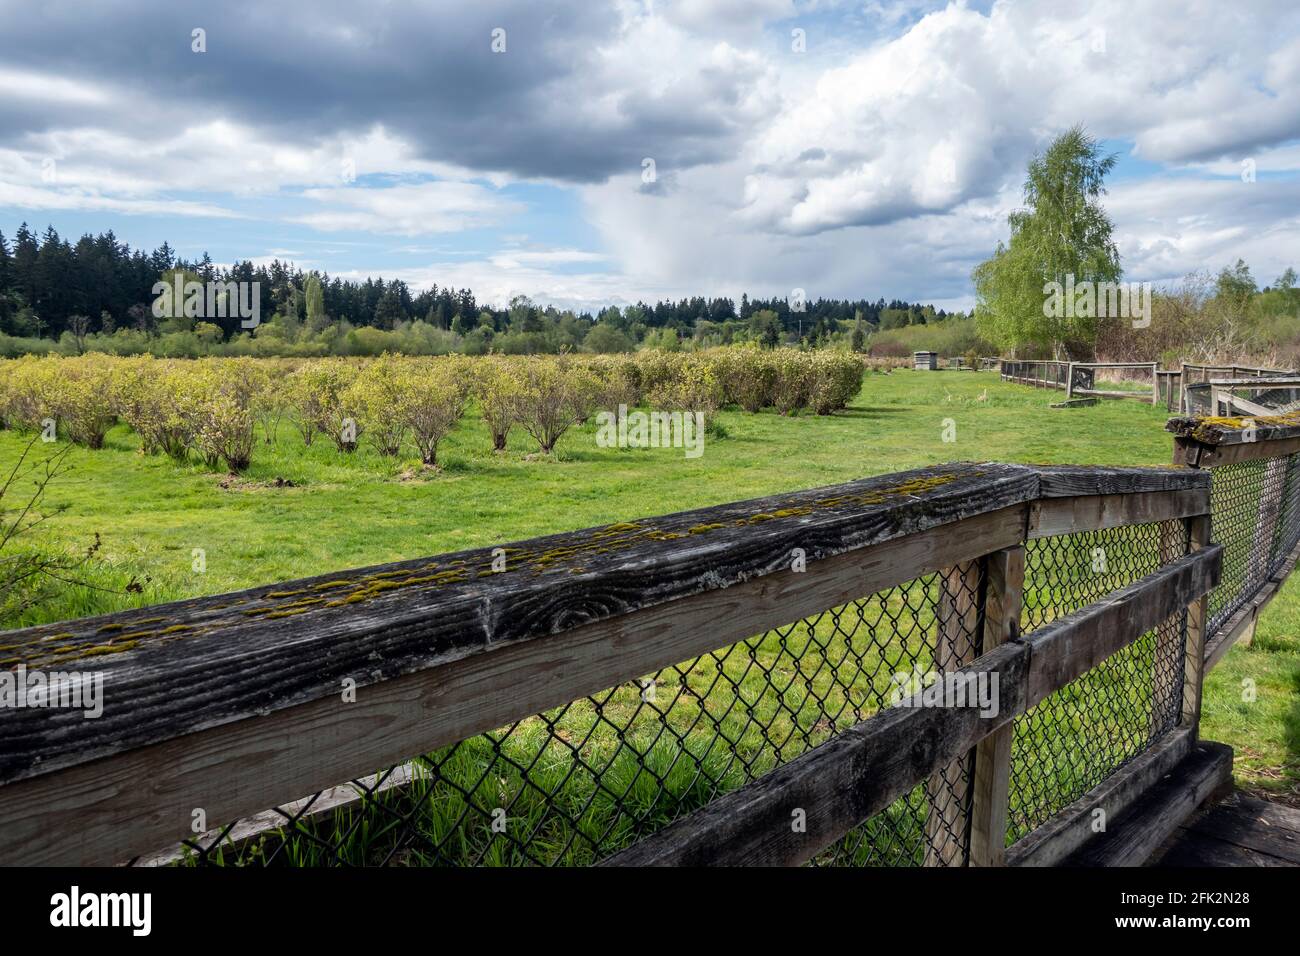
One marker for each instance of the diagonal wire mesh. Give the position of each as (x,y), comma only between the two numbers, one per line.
(1256,506)
(574,784)
(577,783)
(1078,736)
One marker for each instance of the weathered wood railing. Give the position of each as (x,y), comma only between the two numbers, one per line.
(1268,396)
(241,702)
(1040,373)
(1187,390)
(1190,388)
(1080,378)
(1255,464)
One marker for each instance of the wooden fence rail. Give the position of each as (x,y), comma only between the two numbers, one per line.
(1187,390)
(1255,466)
(241,702)
(865,769)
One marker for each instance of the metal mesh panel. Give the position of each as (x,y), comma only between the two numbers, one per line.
(1075,738)
(1256,506)
(575,784)
(1196,398)
(1278,399)
(581,781)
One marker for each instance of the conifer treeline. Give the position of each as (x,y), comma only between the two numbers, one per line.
(98,284)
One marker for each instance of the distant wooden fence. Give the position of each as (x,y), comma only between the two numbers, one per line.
(1187,390)
(1042,374)
(1253,395)
(509,686)
(1080,378)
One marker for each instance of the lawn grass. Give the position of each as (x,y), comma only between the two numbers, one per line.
(1252,701)
(344,511)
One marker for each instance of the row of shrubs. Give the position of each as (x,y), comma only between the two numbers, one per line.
(216,407)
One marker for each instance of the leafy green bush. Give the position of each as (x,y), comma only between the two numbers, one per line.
(431,400)
(552,395)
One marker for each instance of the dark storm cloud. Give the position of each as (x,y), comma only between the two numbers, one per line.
(544,108)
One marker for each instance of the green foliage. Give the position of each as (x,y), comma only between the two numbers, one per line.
(956,336)
(314,297)
(212,408)
(606,339)
(317,391)
(859,340)
(694,388)
(31,569)
(551,396)
(431,400)
(1063,232)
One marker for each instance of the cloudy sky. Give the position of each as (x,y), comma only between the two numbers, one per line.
(593,151)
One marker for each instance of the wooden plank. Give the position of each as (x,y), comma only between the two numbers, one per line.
(1004,590)
(1133,838)
(1050,517)
(1244,406)
(1254,824)
(1190,849)
(317,807)
(1066,481)
(1146,365)
(1261,382)
(257,651)
(1278,816)
(1073,826)
(1209,431)
(241,768)
(1198,612)
(255,718)
(1187,453)
(1112,393)
(1214,456)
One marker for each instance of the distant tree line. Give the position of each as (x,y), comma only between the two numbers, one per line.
(98,293)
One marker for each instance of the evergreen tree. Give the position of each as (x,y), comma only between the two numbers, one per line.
(388,312)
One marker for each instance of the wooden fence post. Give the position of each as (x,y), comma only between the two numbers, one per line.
(1069,382)
(1005,580)
(1194,656)
(957,642)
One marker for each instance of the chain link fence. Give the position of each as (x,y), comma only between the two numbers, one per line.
(1077,737)
(576,784)
(1256,506)
(579,782)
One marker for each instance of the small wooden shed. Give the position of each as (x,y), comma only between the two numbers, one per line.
(926,361)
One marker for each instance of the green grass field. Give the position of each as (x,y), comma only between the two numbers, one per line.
(345,511)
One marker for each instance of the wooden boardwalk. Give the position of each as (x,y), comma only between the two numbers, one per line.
(1240,831)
